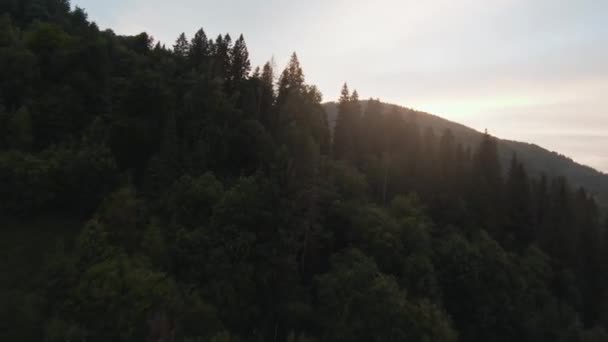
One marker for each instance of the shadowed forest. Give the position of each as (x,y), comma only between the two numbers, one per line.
(153,193)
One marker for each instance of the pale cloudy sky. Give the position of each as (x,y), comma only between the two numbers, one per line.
(535,71)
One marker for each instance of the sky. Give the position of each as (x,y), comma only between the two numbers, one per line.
(534,71)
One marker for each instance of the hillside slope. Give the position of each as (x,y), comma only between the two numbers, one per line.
(154,194)
(537,159)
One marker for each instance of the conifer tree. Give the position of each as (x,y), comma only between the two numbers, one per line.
(541,206)
(369,132)
(487,164)
(181,47)
(228,42)
(487,185)
(519,207)
(356,112)
(560,239)
(589,256)
(199,48)
(291,80)
(79,18)
(429,147)
(347,122)
(462,169)
(356,105)
(340,136)
(222,63)
(257,73)
(267,96)
(447,158)
(218,46)
(239,60)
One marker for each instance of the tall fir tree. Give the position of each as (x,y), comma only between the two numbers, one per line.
(520,218)
(222,65)
(487,191)
(291,79)
(541,203)
(199,48)
(560,240)
(447,159)
(267,97)
(589,256)
(239,60)
(181,47)
(369,132)
(345,130)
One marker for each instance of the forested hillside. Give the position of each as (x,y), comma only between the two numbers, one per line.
(537,159)
(152,193)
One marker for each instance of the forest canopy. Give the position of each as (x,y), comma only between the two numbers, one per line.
(182,194)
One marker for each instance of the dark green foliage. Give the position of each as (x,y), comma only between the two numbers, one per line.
(518,198)
(239,61)
(291,80)
(216,205)
(347,126)
(64,179)
(359,303)
(191,200)
(182,46)
(19,130)
(536,159)
(199,49)
(267,97)
(487,189)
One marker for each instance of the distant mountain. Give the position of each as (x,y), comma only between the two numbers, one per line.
(537,159)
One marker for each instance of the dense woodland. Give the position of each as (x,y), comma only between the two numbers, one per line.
(538,161)
(214,203)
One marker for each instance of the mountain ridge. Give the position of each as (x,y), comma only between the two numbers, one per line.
(537,159)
